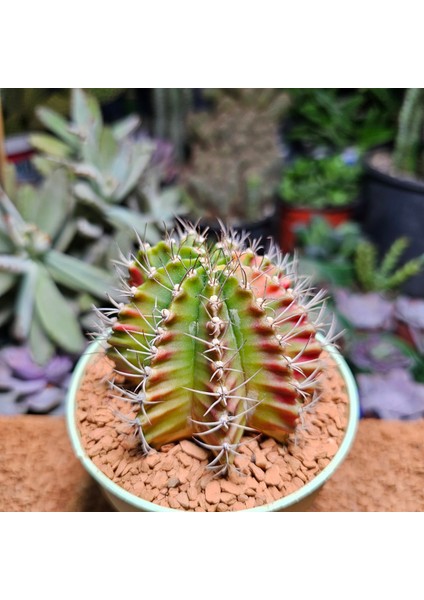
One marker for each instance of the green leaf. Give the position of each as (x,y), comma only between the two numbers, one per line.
(77,275)
(85,192)
(49,145)
(13,264)
(125,127)
(56,316)
(7,280)
(40,345)
(25,303)
(55,203)
(119,216)
(86,113)
(58,125)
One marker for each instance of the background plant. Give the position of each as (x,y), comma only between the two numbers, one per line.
(39,282)
(320,183)
(334,119)
(236,155)
(115,175)
(386,275)
(409,143)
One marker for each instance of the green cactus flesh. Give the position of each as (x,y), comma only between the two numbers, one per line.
(215,341)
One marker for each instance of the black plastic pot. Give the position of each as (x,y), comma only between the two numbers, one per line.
(393,208)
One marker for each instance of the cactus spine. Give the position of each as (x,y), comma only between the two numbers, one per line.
(215,341)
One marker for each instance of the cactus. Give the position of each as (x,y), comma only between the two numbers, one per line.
(236,155)
(215,341)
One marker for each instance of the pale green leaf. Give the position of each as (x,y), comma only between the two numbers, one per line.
(58,125)
(41,347)
(125,127)
(49,145)
(55,203)
(7,281)
(77,275)
(56,316)
(24,307)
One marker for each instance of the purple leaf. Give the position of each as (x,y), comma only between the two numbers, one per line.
(374,353)
(365,311)
(45,401)
(57,369)
(18,358)
(394,395)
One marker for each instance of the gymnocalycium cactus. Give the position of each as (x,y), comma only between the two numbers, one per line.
(215,341)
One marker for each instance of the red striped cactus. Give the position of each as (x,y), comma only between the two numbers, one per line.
(215,341)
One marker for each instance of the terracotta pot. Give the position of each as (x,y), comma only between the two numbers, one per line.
(294,216)
(125,501)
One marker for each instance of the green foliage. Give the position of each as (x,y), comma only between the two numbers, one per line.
(386,277)
(113,170)
(320,183)
(34,269)
(409,147)
(236,157)
(336,119)
(329,250)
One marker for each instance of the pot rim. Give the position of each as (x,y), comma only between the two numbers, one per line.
(144,505)
(403,183)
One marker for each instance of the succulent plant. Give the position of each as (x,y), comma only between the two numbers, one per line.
(386,276)
(35,232)
(215,341)
(25,386)
(236,156)
(392,395)
(108,162)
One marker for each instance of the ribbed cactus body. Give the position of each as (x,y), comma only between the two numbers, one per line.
(215,341)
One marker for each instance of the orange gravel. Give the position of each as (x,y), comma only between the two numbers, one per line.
(176,476)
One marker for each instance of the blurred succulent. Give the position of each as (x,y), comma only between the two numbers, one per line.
(236,155)
(35,231)
(387,276)
(392,395)
(380,353)
(109,163)
(368,312)
(320,182)
(25,386)
(329,250)
(410,312)
(408,152)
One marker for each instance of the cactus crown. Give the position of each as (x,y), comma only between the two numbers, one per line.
(215,341)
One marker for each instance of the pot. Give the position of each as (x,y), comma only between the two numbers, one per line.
(124,501)
(292,217)
(394,207)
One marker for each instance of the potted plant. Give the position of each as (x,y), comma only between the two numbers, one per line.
(327,252)
(394,187)
(326,187)
(201,393)
(235,161)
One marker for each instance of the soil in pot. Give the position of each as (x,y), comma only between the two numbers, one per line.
(176,477)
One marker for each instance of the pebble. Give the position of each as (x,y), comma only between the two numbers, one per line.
(175,476)
(257,472)
(272,475)
(213,491)
(193,450)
